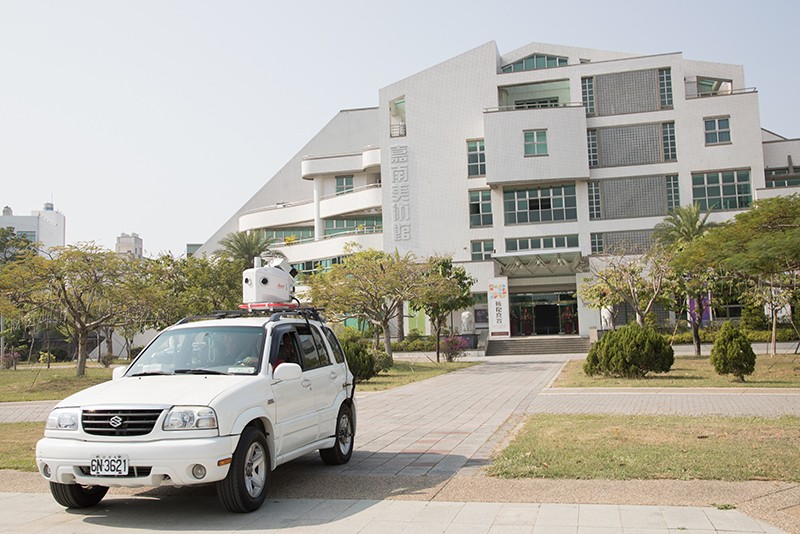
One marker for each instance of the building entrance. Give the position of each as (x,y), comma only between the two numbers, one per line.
(543,314)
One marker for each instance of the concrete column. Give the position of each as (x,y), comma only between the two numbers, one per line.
(318,230)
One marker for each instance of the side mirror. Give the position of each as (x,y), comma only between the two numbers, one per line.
(118,372)
(287,371)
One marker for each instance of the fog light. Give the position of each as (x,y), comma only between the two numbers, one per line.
(198,471)
(46,471)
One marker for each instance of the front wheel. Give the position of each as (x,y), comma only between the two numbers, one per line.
(245,487)
(342,450)
(77,496)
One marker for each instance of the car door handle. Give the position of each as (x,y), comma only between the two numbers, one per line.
(306,383)
(333,375)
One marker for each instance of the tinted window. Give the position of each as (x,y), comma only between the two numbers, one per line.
(325,357)
(338,353)
(308,349)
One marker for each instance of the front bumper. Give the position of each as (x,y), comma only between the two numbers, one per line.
(153,463)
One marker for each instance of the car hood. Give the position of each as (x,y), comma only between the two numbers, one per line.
(172,390)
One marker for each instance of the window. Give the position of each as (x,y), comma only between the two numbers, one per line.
(594,201)
(782,177)
(482,250)
(293,234)
(587,94)
(537,103)
(344,184)
(480,208)
(713,87)
(726,190)
(397,117)
(597,243)
(476,158)
(591,141)
(535,61)
(338,353)
(311,266)
(665,87)
(536,143)
(538,243)
(361,224)
(542,204)
(718,130)
(668,141)
(309,351)
(673,192)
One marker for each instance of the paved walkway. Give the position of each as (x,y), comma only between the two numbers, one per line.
(417,468)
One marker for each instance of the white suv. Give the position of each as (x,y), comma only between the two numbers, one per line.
(222,400)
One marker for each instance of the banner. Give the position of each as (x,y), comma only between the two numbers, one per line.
(499,324)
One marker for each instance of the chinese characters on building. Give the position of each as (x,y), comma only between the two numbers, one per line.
(401,196)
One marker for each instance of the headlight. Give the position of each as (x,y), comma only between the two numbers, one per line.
(63,419)
(190,418)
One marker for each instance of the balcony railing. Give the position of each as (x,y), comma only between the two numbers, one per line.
(281,205)
(397,130)
(722,92)
(517,107)
(355,231)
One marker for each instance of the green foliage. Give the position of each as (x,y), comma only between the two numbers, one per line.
(12,245)
(414,345)
(732,353)
(244,246)
(383,362)
(630,352)
(709,335)
(753,317)
(360,360)
(453,347)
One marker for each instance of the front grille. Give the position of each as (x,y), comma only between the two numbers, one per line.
(133,472)
(119,422)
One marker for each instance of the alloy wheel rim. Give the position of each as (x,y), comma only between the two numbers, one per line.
(255,470)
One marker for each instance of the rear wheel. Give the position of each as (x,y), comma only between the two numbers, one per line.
(342,450)
(77,496)
(245,487)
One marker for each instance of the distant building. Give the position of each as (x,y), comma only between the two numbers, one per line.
(131,245)
(47,227)
(525,167)
(191,248)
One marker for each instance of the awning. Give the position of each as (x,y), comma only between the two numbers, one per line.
(541,263)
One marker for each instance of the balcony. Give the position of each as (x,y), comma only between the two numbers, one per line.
(361,199)
(332,245)
(354,162)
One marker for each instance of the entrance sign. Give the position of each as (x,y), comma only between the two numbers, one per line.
(499,324)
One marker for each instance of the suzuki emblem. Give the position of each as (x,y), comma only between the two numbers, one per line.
(115,421)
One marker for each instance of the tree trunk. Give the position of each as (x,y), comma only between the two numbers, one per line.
(109,341)
(696,337)
(774,344)
(387,339)
(438,330)
(401,327)
(83,345)
(697,322)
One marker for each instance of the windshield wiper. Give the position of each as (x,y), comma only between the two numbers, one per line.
(199,372)
(150,373)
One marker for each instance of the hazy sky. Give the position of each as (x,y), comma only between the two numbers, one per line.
(163,117)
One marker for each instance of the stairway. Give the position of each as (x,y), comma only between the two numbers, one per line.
(538,345)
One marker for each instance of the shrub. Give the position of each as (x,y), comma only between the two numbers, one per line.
(732,353)
(359,359)
(383,362)
(9,360)
(630,352)
(453,347)
(753,317)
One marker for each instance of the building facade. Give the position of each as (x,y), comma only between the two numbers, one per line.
(46,227)
(130,245)
(523,167)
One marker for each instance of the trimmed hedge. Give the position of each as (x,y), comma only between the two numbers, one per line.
(630,352)
(708,335)
(732,353)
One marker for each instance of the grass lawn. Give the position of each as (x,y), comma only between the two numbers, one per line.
(403,373)
(18,445)
(653,447)
(780,371)
(40,383)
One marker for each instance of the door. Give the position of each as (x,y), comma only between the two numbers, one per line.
(326,378)
(297,420)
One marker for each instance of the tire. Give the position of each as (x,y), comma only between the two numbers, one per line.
(245,487)
(77,496)
(342,450)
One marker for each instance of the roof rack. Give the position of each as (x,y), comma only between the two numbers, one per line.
(275,311)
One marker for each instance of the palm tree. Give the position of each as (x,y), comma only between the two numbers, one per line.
(248,245)
(680,228)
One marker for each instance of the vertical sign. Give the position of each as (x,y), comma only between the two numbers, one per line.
(401,195)
(499,324)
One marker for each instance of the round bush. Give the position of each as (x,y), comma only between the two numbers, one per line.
(630,352)
(359,359)
(732,353)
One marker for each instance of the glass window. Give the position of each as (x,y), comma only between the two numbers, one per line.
(728,190)
(344,184)
(338,352)
(309,351)
(597,243)
(356,225)
(718,130)
(594,201)
(673,192)
(290,234)
(713,87)
(482,250)
(476,158)
(668,140)
(587,94)
(536,243)
(535,61)
(591,141)
(536,142)
(480,208)
(541,204)
(665,87)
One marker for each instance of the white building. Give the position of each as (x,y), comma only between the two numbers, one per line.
(130,245)
(47,227)
(523,165)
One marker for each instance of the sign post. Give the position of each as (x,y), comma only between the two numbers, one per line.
(499,323)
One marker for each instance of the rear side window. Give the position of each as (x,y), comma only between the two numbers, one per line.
(338,353)
(308,349)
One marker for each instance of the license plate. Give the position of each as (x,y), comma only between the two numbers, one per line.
(109,466)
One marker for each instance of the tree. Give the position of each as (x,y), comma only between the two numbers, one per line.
(448,290)
(762,247)
(368,284)
(638,280)
(732,353)
(676,232)
(81,283)
(245,246)
(12,245)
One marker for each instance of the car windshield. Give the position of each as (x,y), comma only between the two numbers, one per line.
(203,350)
